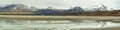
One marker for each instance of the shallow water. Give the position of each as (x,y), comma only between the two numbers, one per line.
(54,25)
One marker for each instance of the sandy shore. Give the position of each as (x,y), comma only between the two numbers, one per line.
(107,28)
(24,17)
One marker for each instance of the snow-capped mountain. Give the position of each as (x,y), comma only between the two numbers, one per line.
(76,9)
(98,8)
(17,7)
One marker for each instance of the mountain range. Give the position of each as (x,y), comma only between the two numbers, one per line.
(23,9)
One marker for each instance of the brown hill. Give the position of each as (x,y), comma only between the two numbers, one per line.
(16,13)
(103,13)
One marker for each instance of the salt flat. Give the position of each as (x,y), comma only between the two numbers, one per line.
(58,25)
(25,22)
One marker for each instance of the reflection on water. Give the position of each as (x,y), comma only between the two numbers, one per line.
(53,25)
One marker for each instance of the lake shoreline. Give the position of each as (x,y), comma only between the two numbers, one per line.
(29,17)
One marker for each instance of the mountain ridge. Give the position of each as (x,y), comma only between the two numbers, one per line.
(77,10)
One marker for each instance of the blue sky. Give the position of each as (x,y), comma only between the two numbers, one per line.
(63,3)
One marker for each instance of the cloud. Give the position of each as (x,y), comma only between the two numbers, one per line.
(59,3)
